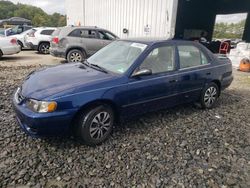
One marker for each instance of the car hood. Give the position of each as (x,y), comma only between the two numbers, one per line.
(62,78)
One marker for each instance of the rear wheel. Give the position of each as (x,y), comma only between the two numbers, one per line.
(210,95)
(95,125)
(75,56)
(44,48)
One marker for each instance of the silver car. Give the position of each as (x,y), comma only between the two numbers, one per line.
(77,43)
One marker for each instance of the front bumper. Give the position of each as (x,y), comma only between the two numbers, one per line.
(43,124)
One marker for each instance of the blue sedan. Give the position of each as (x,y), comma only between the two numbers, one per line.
(124,79)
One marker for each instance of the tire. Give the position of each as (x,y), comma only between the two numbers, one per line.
(209,96)
(20,44)
(75,56)
(44,48)
(94,126)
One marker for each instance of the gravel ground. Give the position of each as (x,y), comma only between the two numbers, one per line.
(179,147)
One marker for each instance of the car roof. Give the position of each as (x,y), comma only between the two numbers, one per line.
(45,28)
(155,40)
(147,40)
(84,27)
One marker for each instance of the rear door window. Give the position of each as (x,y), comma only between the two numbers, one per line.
(87,33)
(190,56)
(83,33)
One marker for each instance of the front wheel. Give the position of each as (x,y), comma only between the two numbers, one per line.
(95,125)
(209,95)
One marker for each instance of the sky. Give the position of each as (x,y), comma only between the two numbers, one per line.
(49,6)
(232,18)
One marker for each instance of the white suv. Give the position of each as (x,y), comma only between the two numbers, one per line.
(39,39)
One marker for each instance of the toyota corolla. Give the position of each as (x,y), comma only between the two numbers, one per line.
(124,79)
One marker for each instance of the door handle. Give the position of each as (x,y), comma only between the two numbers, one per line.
(208,73)
(173,81)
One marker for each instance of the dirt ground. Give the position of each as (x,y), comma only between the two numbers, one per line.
(29,58)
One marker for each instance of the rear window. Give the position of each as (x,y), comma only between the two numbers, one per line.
(56,32)
(47,32)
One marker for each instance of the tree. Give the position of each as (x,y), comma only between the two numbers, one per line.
(229,30)
(35,14)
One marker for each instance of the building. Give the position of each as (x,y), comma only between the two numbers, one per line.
(155,18)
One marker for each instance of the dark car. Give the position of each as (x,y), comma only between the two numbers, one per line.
(124,79)
(77,43)
(15,21)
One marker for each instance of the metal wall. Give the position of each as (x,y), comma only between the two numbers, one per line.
(142,18)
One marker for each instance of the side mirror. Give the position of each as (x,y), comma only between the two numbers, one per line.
(142,72)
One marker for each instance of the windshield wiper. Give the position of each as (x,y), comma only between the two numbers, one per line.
(99,67)
(85,62)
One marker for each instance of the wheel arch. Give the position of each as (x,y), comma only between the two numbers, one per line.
(95,103)
(75,48)
(218,83)
(43,42)
(20,42)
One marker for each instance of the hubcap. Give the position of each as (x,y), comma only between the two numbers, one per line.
(75,57)
(210,96)
(100,125)
(45,49)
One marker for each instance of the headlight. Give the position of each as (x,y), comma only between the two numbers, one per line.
(41,106)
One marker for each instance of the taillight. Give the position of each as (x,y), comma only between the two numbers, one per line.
(13,41)
(55,40)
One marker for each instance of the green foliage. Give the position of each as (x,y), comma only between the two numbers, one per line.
(35,14)
(229,30)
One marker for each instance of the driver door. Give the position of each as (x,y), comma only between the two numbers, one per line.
(158,90)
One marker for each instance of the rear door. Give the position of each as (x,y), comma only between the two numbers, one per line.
(194,71)
(89,39)
(85,38)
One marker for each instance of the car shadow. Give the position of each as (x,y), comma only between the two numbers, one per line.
(16,58)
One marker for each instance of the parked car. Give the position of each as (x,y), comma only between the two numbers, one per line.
(39,39)
(15,21)
(77,43)
(20,38)
(19,29)
(8,46)
(124,79)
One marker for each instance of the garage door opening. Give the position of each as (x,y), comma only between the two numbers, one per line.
(229,27)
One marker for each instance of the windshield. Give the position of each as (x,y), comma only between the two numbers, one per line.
(118,56)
